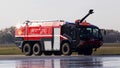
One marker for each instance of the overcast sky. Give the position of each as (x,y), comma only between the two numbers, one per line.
(107,12)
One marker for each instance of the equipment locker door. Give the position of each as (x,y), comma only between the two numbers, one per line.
(56,39)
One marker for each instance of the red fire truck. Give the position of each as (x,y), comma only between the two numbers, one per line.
(58,37)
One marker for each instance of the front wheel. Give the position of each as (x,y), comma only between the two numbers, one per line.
(66,49)
(27,49)
(88,51)
(37,49)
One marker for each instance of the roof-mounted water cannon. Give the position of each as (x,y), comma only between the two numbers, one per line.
(81,20)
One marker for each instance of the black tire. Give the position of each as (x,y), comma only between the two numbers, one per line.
(27,49)
(48,53)
(88,51)
(80,52)
(37,49)
(66,49)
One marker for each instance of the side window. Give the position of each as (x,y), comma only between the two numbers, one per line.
(89,31)
(95,32)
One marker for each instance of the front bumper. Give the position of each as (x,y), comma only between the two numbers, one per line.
(90,44)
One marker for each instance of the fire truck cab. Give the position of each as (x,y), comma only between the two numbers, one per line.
(58,37)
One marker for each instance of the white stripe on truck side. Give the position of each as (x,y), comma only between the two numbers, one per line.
(56,42)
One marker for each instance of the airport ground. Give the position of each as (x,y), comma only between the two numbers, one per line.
(21,61)
(107,56)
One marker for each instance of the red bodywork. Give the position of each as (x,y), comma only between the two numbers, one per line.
(38,31)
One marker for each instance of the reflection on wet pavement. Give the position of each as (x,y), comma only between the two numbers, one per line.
(63,62)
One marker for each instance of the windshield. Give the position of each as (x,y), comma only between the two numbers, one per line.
(88,32)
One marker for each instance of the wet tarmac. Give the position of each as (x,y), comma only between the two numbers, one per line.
(60,62)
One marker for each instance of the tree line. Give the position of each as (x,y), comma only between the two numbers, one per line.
(111,36)
(7,36)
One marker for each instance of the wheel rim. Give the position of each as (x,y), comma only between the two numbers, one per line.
(36,49)
(65,49)
(27,49)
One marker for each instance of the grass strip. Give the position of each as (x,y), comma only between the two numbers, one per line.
(106,49)
(10,50)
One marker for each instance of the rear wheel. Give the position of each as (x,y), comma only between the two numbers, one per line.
(80,51)
(66,49)
(27,49)
(37,49)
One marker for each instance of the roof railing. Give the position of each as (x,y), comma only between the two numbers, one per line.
(37,21)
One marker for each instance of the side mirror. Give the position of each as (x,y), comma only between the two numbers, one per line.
(91,11)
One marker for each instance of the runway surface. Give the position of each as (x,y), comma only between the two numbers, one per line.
(21,61)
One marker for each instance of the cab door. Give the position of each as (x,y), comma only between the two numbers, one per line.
(75,36)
